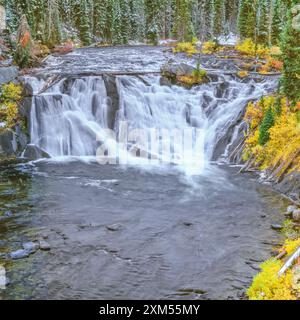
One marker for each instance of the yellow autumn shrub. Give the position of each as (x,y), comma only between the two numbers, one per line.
(267,285)
(9,98)
(284,140)
(197,77)
(249,48)
(291,246)
(187,47)
(209,47)
(243,74)
(281,150)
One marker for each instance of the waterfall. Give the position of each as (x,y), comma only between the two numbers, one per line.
(71,118)
(66,118)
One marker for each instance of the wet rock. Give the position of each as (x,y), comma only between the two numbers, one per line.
(296,215)
(19,254)
(290,185)
(8,213)
(113,100)
(12,142)
(33,152)
(221,90)
(8,143)
(277,227)
(30,247)
(114,227)
(7,281)
(8,74)
(291,209)
(44,245)
(174,70)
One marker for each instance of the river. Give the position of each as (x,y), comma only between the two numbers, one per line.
(133,231)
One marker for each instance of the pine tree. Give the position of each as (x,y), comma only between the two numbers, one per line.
(116,27)
(83,19)
(247,19)
(183,29)
(137,20)
(231,14)
(152,8)
(276,22)
(218,17)
(100,19)
(125,21)
(267,123)
(262,20)
(52,24)
(290,46)
(206,20)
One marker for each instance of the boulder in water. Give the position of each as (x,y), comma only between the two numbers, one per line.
(19,254)
(182,74)
(30,247)
(33,152)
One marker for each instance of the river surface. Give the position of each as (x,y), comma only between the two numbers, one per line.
(133,231)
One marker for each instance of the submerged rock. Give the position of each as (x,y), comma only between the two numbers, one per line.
(33,152)
(19,254)
(114,227)
(44,245)
(276,227)
(30,247)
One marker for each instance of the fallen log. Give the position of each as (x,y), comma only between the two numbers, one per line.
(289,262)
(281,255)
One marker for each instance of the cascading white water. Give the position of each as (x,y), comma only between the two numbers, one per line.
(66,123)
(68,118)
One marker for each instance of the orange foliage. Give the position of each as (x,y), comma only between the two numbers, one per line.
(25,39)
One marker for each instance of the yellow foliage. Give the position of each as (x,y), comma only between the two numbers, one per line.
(281,150)
(284,140)
(9,98)
(197,77)
(275,51)
(248,47)
(10,92)
(187,47)
(209,47)
(267,285)
(243,74)
(291,246)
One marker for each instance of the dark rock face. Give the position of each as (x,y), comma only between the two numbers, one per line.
(33,152)
(112,93)
(8,74)
(8,143)
(290,185)
(13,142)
